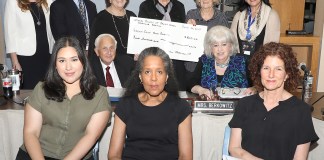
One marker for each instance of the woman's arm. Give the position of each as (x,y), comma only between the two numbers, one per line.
(185,139)
(14,61)
(95,127)
(32,127)
(234,26)
(200,90)
(117,139)
(272,33)
(302,151)
(235,147)
(250,91)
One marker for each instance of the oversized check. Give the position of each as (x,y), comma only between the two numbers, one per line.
(181,41)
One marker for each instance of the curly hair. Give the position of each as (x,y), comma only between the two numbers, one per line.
(133,84)
(286,54)
(54,86)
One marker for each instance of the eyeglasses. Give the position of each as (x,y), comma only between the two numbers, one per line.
(227,90)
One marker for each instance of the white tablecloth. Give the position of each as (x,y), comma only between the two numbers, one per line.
(208,133)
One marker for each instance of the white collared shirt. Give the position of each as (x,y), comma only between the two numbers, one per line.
(113,73)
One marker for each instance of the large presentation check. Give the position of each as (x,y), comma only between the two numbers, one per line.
(181,41)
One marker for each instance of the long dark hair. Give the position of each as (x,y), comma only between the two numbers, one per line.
(245,5)
(54,86)
(133,84)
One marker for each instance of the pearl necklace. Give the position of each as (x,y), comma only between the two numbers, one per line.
(38,18)
(112,16)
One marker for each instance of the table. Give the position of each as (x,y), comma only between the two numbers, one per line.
(208,133)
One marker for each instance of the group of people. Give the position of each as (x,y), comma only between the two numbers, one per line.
(69,109)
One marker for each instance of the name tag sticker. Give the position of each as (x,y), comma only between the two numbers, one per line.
(247,53)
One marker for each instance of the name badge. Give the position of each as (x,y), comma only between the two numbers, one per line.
(248,47)
(215,107)
(247,53)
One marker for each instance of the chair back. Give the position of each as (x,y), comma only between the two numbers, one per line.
(227,134)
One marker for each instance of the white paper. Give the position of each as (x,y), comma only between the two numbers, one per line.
(115,92)
(226,157)
(183,94)
(179,40)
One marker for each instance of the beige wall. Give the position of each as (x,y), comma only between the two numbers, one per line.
(319,31)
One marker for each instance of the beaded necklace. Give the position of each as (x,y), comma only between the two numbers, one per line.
(112,16)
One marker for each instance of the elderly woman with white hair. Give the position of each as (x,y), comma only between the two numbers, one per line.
(220,65)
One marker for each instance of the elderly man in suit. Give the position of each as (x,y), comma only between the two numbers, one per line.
(111,71)
(72,18)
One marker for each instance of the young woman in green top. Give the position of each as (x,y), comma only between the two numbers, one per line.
(67,113)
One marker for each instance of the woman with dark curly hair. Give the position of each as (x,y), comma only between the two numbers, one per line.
(152,117)
(273,124)
(66,114)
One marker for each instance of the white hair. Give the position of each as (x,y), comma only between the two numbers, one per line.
(98,39)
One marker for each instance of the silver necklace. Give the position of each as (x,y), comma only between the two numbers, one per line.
(221,65)
(121,42)
(38,18)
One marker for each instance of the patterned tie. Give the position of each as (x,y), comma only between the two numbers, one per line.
(82,11)
(109,81)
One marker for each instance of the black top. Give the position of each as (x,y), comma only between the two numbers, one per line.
(273,134)
(104,23)
(152,132)
(35,66)
(148,10)
(258,42)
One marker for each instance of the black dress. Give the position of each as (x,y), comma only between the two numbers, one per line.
(105,22)
(152,131)
(276,133)
(35,66)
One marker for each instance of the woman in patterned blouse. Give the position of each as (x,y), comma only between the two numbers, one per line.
(220,66)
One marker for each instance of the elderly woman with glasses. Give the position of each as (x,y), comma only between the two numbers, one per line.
(220,66)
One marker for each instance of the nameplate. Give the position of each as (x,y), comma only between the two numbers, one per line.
(214,107)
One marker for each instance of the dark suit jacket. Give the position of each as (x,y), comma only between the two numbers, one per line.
(124,66)
(65,19)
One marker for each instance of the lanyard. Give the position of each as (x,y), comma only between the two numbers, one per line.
(248,34)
